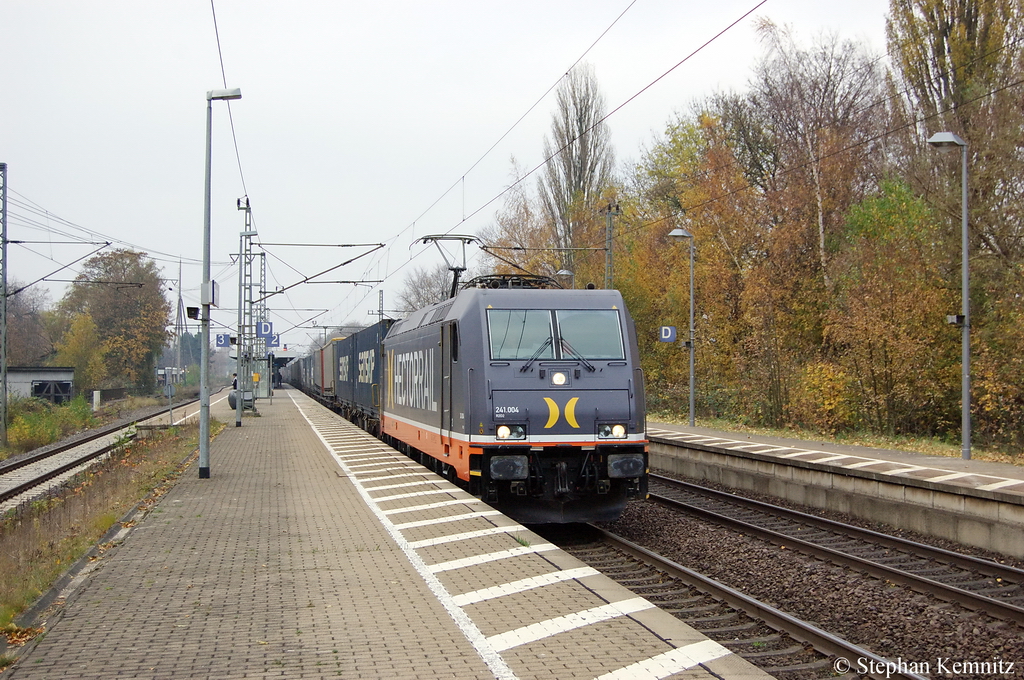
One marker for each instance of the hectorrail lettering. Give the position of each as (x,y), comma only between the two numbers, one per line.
(411,377)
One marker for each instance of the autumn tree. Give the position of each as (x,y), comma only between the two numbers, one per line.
(691,178)
(28,339)
(801,135)
(82,348)
(121,292)
(957,66)
(818,105)
(580,163)
(887,322)
(520,239)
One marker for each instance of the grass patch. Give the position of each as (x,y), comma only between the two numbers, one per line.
(41,540)
(928,445)
(37,422)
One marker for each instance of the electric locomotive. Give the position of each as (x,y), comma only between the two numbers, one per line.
(531,398)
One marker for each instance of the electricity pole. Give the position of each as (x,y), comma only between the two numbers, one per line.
(3,304)
(611,212)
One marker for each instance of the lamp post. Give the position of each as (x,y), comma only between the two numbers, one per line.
(571,275)
(207,294)
(679,234)
(945,141)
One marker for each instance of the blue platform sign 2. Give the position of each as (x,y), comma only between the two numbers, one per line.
(274,340)
(668,334)
(223,340)
(264,329)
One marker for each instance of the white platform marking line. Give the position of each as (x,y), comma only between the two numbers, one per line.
(799,452)
(381,479)
(361,458)
(906,469)
(862,463)
(671,662)
(403,485)
(831,458)
(561,624)
(465,536)
(951,475)
(432,506)
(490,557)
(369,465)
(524,585)
(414,467)
(400,496)
(443,520)
(1000,484)
(364,451)
(470,630)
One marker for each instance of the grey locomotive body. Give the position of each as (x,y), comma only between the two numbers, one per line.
(532,398)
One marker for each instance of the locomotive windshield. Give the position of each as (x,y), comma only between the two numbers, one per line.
(583,333)
(520,333)
(592,333)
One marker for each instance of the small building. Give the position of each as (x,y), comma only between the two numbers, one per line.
(53,383)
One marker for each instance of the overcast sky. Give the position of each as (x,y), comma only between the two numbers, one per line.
(360,122)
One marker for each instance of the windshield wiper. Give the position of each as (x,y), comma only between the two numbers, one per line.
(566,347)
(544,345)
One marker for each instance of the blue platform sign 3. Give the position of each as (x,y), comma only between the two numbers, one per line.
(223,339)
(668,334)
(264,329)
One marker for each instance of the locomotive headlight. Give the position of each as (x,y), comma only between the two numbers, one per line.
(510,432)
(616,431)
(559,378)
(509,467)
(625,465)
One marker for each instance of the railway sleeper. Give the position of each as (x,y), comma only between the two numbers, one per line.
(726,634)
(792,650)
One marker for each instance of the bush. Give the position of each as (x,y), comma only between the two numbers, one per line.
(36,422)
(821,401)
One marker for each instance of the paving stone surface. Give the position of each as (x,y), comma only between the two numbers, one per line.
(259,571)
(296,561)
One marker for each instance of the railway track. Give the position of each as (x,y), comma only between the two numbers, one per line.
(981,585)
(26,474)
(778,643)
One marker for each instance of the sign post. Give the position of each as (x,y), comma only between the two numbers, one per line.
(169,391)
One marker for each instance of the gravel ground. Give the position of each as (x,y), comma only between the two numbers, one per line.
(890,620)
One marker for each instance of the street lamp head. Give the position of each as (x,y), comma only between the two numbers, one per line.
(235,93)
(945,141)
(679,234)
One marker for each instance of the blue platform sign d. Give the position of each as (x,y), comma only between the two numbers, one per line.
(668,334)
(264,329)
(223,340)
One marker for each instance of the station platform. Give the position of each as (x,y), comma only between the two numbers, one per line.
(974,502)
(314,550)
